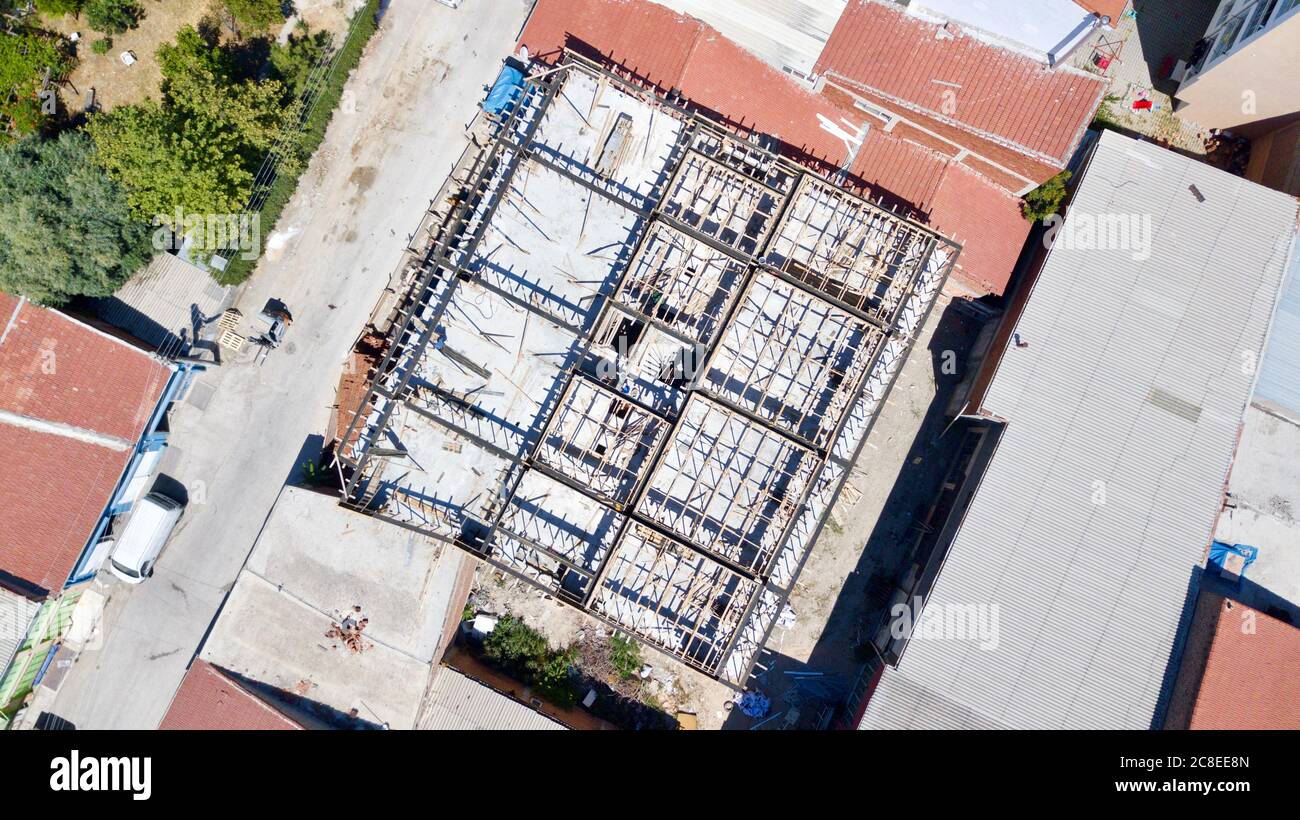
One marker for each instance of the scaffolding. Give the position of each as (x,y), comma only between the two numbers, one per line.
(634,361)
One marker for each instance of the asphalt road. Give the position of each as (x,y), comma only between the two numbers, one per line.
(393,141)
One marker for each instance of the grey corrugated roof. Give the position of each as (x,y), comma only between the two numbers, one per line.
(162,303)
(1279,377)
(781,32)
(1133,376)
(458,702)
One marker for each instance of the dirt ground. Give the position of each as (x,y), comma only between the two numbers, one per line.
(116,83)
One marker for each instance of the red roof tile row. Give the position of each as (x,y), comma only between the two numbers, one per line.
(1252,674)
(937,70)
(208,699)
(56,370)
(678,52)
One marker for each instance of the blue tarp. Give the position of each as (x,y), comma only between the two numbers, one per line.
(1220,551)
(504,91)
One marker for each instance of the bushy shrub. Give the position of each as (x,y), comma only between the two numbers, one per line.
(1046,199)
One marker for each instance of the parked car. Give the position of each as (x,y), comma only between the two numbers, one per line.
(146,533)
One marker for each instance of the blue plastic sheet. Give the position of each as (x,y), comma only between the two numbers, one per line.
(504,91)
(1219,552)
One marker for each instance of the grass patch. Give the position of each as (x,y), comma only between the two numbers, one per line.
(285,183)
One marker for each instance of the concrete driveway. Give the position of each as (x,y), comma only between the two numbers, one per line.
(393,141)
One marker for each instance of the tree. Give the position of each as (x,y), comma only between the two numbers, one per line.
(26,59)
(65,229)
(294,61)
(59,8)
(198,150)
(1046,199)
(168,161)
(113,16)
(255,15)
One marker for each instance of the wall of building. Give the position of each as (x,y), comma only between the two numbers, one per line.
(1275,159)
(1255,82)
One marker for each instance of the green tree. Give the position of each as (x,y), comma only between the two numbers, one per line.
(25,60)
(294,61)
(198,150)
(1046,199)
(255,15)
(168,161)
(113,16)
(65,229)
(58,8)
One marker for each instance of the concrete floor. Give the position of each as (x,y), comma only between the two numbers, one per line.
(1265,489)
(393,141)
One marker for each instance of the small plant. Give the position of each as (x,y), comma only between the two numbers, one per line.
(102,46)
(624,656)
(1045,200)
(468,613)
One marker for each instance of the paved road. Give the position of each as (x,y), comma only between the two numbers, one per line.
(388,150)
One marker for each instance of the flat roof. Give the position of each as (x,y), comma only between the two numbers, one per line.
(313,566)
(636,361)
(1088,529)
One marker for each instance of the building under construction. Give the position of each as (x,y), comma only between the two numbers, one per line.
(635,357)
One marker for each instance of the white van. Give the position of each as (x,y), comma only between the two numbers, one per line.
(150,525)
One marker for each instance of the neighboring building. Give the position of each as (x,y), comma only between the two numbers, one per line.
(1240,670)
(1241,76)
(1049,29)
(1000,112)
(786,34)
(210,699)
(457,701)
(1243,70)
(313,564)
(881,121)
(81,435)
(1099,435)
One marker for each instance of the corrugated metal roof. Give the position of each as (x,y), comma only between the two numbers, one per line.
(459,702)
(784,33)
(16,614)
(1090,595)
(163,303)
(1279,376)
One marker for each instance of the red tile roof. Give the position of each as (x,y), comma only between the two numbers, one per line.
(937,70)
(728,82)
(57,371)
(1106,8)
(208,699)
(1252,674)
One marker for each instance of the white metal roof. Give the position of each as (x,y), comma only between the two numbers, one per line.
(782,32)
(16,614)
(1137,374)
(459,702)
